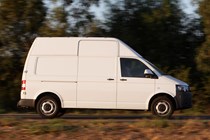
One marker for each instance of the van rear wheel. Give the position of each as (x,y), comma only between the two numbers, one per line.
(162,107)
(48,107)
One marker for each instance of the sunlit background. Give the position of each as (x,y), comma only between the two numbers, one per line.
(173,34)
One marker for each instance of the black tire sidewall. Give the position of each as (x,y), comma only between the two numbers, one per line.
(162,99)
(41,113)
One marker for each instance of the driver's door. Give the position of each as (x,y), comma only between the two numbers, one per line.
(133,88)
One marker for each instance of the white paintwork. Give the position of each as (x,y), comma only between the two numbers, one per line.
(133,93)
(98,48)
(93,86)
(97,63)
(54,46)
(57,66)
(86,73)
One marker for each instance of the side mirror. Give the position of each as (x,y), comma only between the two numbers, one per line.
(148,73)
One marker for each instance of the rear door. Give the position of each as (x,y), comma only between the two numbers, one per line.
(97,74)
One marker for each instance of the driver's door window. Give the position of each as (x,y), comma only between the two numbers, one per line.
(132,68)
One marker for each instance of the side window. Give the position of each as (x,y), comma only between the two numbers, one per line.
(132,67)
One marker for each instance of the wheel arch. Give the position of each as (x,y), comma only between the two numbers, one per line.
(52,94)
(161,95)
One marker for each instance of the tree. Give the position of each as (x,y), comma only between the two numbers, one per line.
(203,52)
(162,33)
(203,58)
(81,17)
(19,22)
(56,22)
(156,30)
(68,18)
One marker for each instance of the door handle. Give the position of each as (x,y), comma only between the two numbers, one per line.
(110,79)
(123,79)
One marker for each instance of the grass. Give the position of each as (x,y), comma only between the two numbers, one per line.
(157,123)
(50,126)
(16,128)
(9,122)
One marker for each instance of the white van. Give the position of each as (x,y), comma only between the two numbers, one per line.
(96,73)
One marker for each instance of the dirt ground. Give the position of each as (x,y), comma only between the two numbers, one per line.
(66,129)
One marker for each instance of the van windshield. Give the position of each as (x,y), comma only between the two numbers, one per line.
(156,68)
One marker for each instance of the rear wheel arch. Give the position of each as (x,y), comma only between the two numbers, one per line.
(48,105)
(51,94)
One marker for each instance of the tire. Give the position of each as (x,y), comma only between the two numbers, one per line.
(48,107)
(162,107)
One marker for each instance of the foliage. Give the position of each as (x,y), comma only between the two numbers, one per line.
(203,53)
(18,27)
(66,129)
(161,33)
(156,31)
(159,30)
(55,23)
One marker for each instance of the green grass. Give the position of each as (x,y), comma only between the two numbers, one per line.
(57,125)
(9,122)
(51,126)
(15,128)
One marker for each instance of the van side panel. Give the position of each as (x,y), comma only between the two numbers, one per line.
(65,90)
(57,74)
(97,74)
(56,46)
(57,66)
(98,48)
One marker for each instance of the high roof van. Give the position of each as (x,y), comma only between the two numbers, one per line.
(96,73)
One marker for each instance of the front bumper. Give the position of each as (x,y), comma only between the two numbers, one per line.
(183,100)
(26,103)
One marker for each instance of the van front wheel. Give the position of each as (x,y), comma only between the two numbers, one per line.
(162,107)
(48,107)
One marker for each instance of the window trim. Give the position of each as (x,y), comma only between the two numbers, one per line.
(120,66)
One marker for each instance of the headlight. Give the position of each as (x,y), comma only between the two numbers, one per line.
(182,88)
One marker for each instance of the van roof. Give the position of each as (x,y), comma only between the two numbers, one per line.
(79,38)
(69,45)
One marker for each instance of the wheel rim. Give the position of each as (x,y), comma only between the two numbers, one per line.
(48,107)
(162,107)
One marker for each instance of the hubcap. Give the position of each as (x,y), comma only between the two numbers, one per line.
(162,108)
(48,107)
